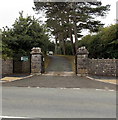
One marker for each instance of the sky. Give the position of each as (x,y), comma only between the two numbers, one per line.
(9,11)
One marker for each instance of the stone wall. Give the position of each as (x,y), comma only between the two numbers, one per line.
(103,67)
(99,67)
(7,66)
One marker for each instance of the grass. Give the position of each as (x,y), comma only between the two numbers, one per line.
(47,61)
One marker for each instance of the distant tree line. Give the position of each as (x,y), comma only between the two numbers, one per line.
(104,44)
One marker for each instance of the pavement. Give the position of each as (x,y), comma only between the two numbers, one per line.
(14,77)
(58,103)
(44,81)
(105,79)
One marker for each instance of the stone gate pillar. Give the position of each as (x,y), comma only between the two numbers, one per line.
(36,60)
(82,61)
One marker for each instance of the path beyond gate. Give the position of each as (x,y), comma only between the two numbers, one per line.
(59,65)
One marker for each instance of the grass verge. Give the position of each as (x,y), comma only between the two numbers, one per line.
(72,60)
(47,61)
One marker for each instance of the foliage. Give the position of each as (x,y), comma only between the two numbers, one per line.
(68,48)
(25,34)
(65,19)
(102,45)
(51,46)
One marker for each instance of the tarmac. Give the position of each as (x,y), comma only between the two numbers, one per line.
(10,78)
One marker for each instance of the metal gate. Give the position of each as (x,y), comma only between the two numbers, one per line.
(21,66)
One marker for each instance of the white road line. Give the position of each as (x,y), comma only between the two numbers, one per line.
(13,117)
(111,90)
(76,88)
(100,89)
(106,89)
(62,88)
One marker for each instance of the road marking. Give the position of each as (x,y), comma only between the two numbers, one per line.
(100,89)
(111,90)
(106,89)
(13,117)
(101,80)
(62,88)
(76,88)
(59,74)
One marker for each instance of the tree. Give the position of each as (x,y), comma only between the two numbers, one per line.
(69,18)
(102,45)
(25,34)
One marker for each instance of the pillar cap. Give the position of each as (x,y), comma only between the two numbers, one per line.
(82,51)
(36,50)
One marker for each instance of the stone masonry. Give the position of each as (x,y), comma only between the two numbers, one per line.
(99,67)
(82,61)
(36,60)
(102,67)
(7,66)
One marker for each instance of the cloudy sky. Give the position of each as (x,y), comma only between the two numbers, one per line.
(9,11)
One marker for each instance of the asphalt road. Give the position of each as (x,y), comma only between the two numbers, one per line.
(58,103)
(59,64)
(60,82)
(59,119)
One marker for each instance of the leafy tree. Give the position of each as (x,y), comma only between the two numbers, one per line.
(102,45)
(51,46)
(25,34)
(68,48)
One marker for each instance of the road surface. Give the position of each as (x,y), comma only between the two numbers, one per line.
(58,103)
(59,64)
(60,82)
